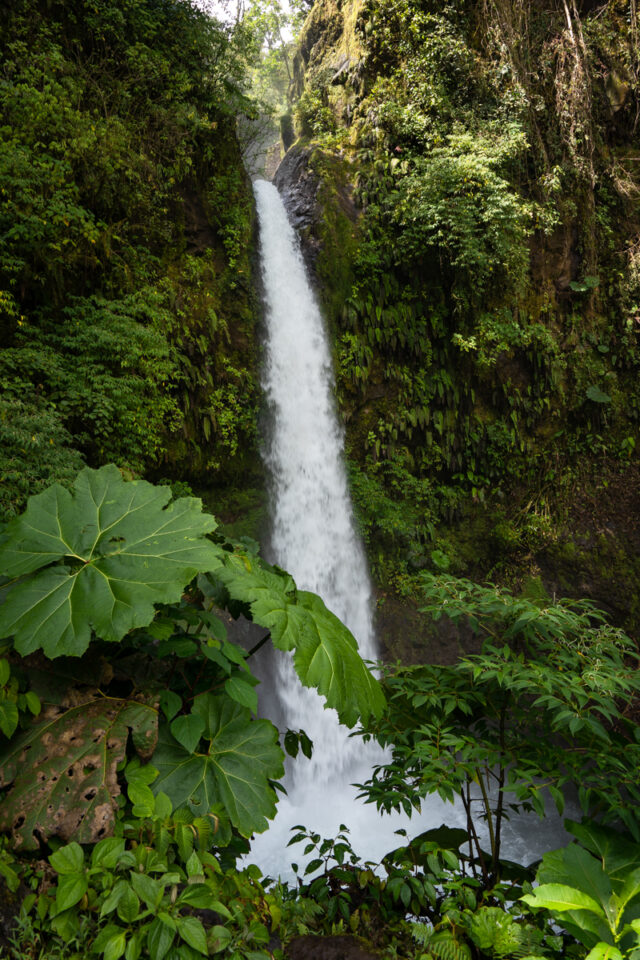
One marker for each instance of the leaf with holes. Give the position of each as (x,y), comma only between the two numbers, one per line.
(98,558)
(326,654)
(243,756)
(61,771)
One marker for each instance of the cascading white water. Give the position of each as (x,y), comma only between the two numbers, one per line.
(313,537)
(312,533)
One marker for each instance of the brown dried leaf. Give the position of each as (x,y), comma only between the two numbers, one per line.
(61,772)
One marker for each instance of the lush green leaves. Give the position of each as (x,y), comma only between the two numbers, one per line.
(326,654)
(124,551)
(242,756)
(537,709)
(596,898)
(558,897)
(61,772)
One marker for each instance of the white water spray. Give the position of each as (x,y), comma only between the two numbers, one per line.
(312,534)
(313,537)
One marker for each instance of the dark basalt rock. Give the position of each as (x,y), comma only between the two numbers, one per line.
(299,187)
(329,948)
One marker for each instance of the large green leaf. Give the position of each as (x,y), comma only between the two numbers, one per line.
(123,548)
(604,951)
(618,854)
(559,897)
(243,756)
(575,867)
(61,772)
(326,654)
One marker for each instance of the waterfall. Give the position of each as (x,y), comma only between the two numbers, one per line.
(312,534)
(314,538)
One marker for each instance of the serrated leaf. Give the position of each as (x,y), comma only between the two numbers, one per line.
(159,939)
(306,744)
(194,866)
(214,654)
(216,627)
(149,890)
(326,654)
(114,898)
(188,730)
(8,717)
(134,946)
(220,937)
(61,771)
(115,946)
(292,743)
(181,647)
(33,702)
(140,795)
(163,806)
(124,549)
(198,895)
(170,703)
(103,937)
(71,889)
(68,860)
(243,756)
(597,395)
(128,906)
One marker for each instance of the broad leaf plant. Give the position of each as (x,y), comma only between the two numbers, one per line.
(115,562)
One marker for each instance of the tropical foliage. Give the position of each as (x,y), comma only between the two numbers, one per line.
(542,707)
(485,303)
(475,171)
(124,215)
(167,721)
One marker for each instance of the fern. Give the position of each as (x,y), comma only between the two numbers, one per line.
(421,933)
(444,946)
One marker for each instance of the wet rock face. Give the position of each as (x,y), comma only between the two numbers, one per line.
(328,948)
(299,187)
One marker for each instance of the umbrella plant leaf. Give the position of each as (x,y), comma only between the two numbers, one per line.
(242,757)
(60,773)
(98,558)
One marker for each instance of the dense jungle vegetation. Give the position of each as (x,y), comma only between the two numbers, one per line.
(479,219)
(127,304)
(475,230)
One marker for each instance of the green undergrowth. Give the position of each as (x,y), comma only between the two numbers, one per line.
(127,310)
(135,767)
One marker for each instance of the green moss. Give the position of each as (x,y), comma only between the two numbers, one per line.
(484,317)
(337,231)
